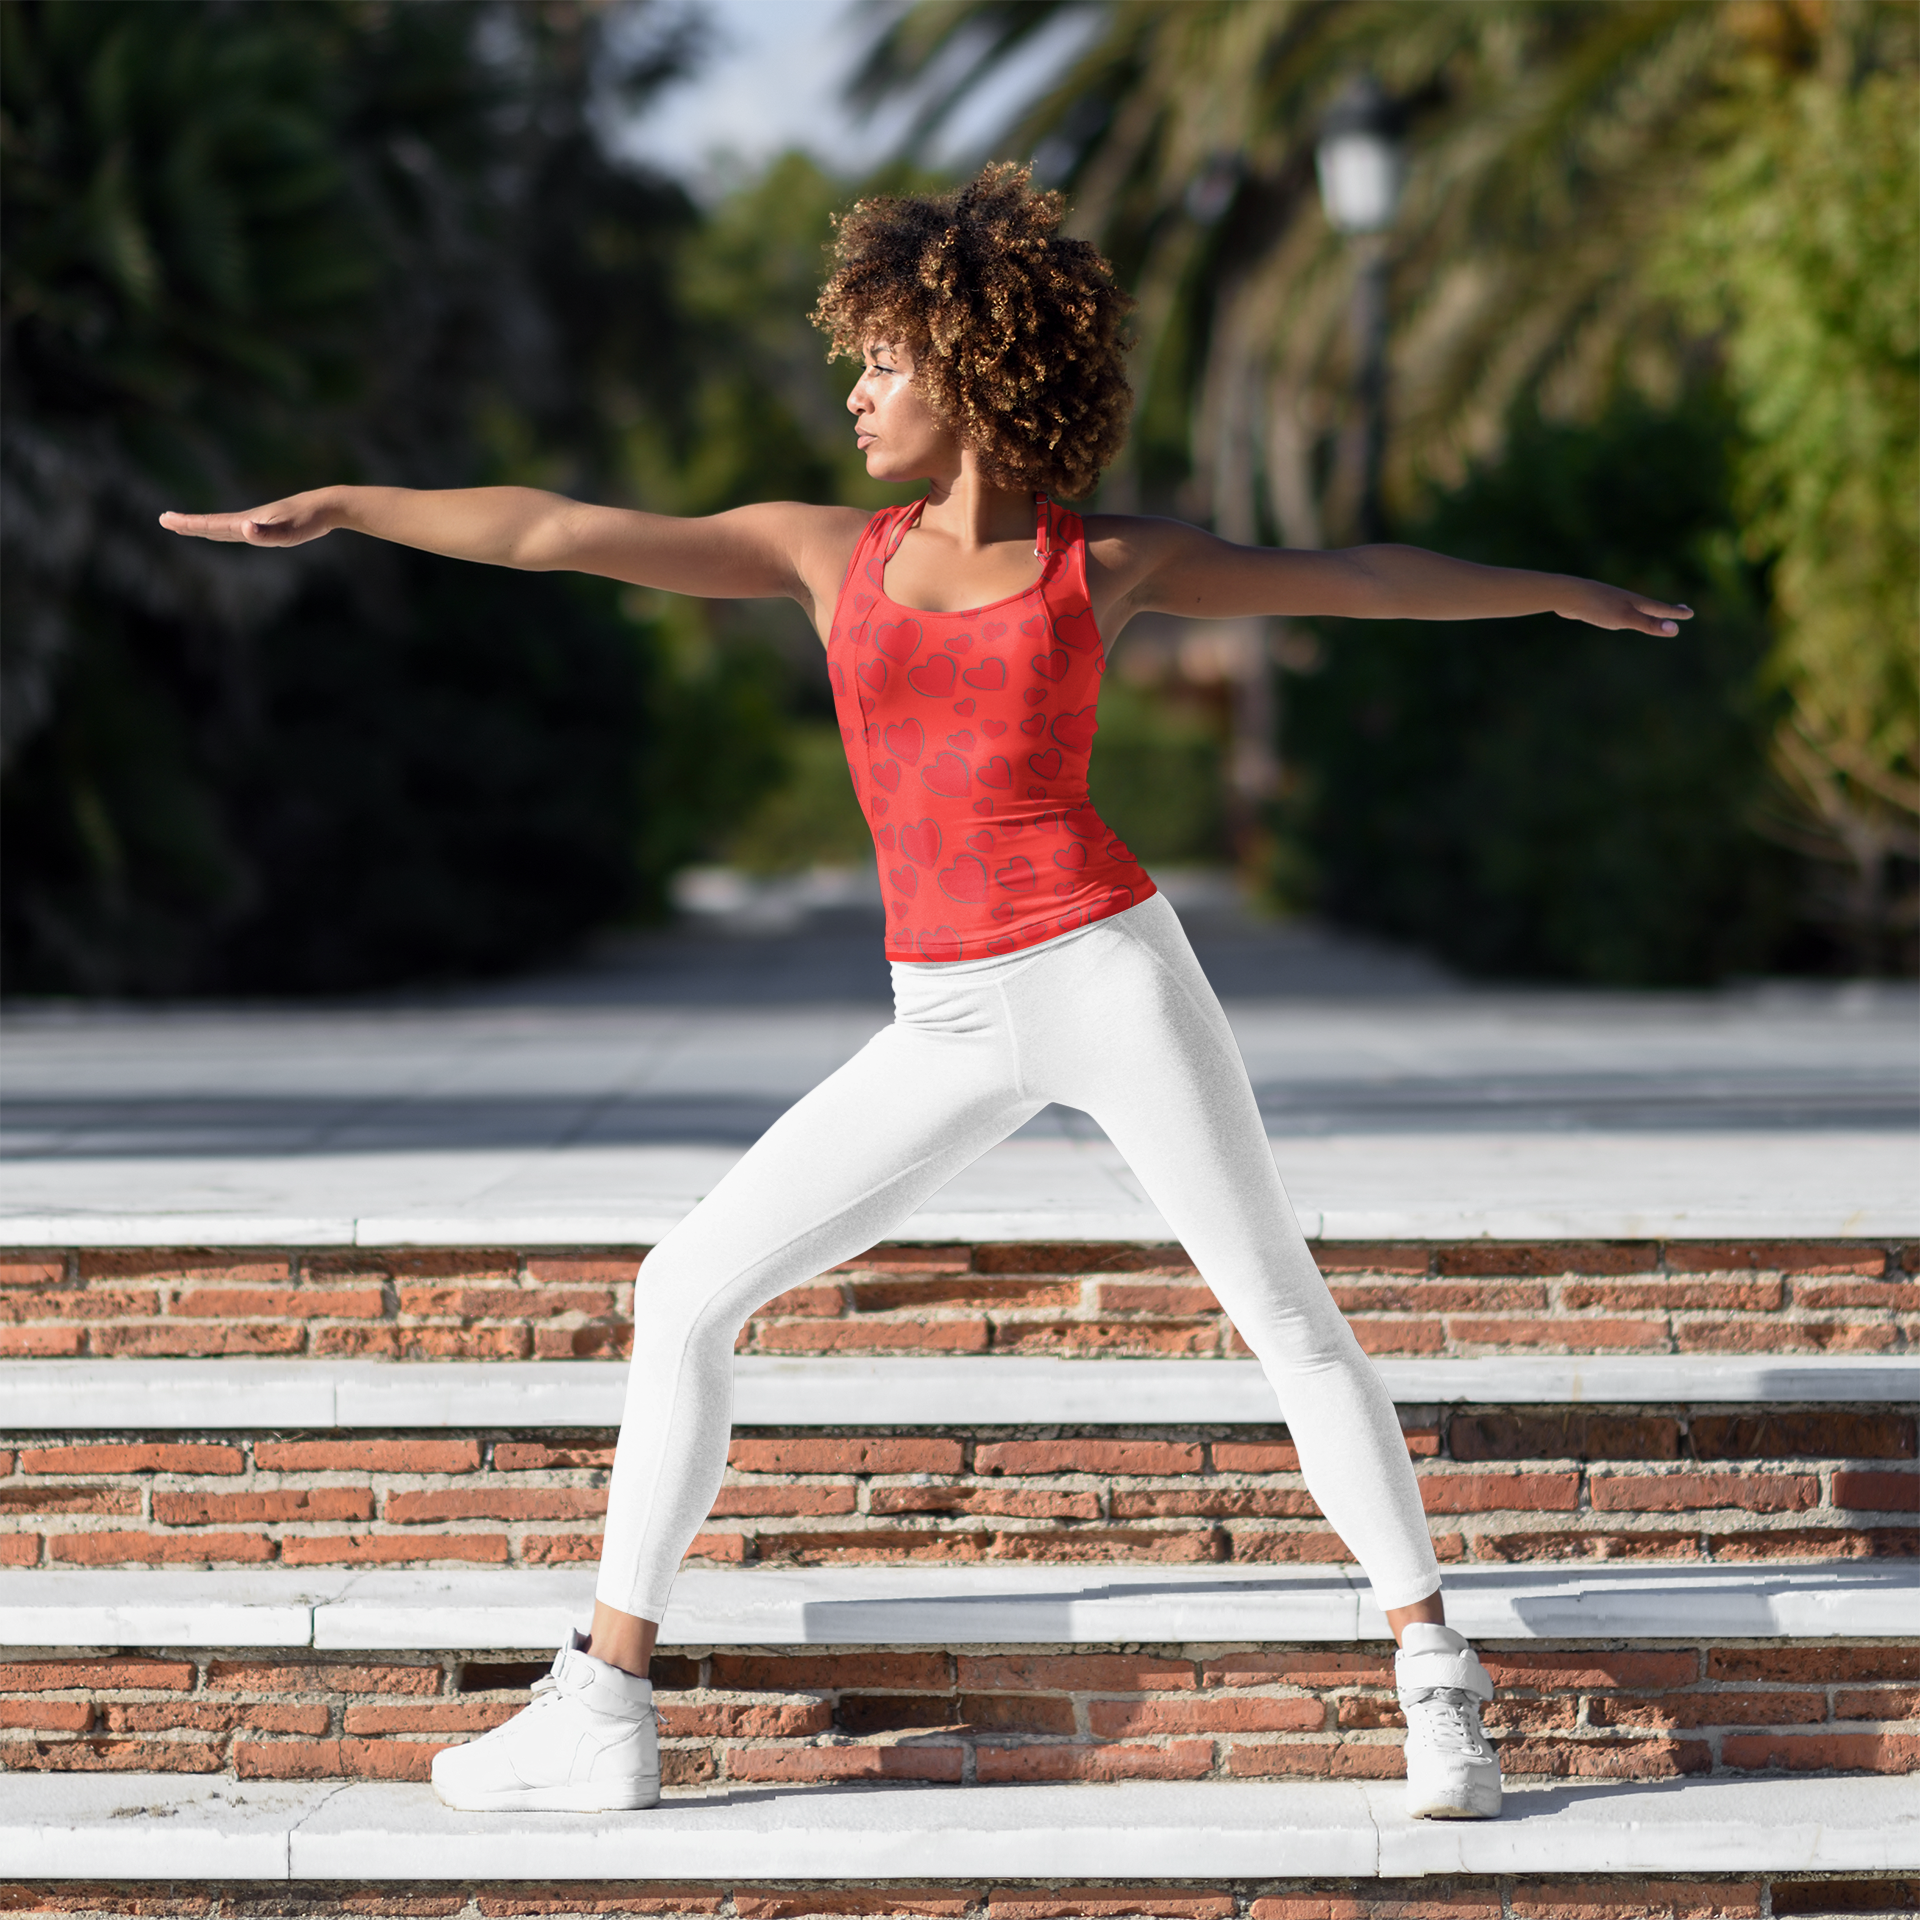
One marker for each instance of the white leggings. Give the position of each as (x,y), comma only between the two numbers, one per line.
(1115,1018)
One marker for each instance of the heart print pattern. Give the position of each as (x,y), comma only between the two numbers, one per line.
(987,849)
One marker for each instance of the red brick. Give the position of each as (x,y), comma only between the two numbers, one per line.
(184,1341)
(1500,1492)
(1638,1899)
(1656,1757)
(1105,1336)
(1313,1760)
(1423,1905)
(117,1756)
(1010,1503)
(1549,1257)
(1072,1257)
(828,1672)
(1073,1673)
(182,1264)
(494,1503)
(739,1501)
(1088,1456)
(143,1456)
(450,1263)
(107,1673)
(319,1676)
(126,1548)
(1123,1296)
(1599,1544)
(438,1716)
(101,1305)
(1683,1712)
(282,1303)
(584,1270)
(1589,1671)
(1791,1336)
(1400,1336)
(1825,1433)
(367,1456)
(932,1336)
(1301,1546)
(1256,1456)
(844,1763)
(804,1903)
(1114,1719)
(1183,1760)
(1690,1492)
(927,1293)
(560,1549)
(38,1343)
(1817,1543)
(727,1720)
(56,1497)
(382,1549)
(1899,1296)
(582,1343)
(19,1550)
(1187,1546)
(1877,1703)
(1307,1667)
(1578,1336)
(1106,1903)
(513,1456)
(1781,1256)
(1434,1296)
(501,1303)
(1217,1503)
(596,1898)
(1877,1492)
(846,1455)
(1813,1665)
(1830,1897)
(1345,1257)
(47,1716)
(289,1503)
(1746,1296)
(1798,1753)
(24,1270)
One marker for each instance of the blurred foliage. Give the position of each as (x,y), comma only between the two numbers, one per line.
(811,819)
(1542,797)
(257,248)
(1156,775)
(1801,249)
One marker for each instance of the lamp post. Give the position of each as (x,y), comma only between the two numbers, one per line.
(1361,162)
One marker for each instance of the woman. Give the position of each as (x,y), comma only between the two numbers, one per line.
(1033,961)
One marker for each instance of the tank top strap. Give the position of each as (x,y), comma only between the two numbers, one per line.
(1045,539)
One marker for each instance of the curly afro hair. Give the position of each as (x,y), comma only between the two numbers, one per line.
(1014,329)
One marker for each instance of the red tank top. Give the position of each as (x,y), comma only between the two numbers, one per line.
(968,736)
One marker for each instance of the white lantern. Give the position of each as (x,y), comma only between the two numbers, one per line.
(1360,160)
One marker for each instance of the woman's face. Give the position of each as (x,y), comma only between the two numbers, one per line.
(902,437)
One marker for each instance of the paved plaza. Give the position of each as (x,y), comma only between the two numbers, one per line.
(594,1104)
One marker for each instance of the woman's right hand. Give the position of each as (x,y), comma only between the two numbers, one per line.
(291,522)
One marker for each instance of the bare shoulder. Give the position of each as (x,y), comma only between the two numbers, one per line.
(1126,552)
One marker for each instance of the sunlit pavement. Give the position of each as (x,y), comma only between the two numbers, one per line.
(595,1104)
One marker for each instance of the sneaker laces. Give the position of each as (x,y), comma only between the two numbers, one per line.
(1449,1719)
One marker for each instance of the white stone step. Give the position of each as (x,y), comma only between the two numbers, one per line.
(829,1390)
(521,1607)
(160,1827)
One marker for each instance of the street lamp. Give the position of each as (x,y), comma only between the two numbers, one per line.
(1361,161)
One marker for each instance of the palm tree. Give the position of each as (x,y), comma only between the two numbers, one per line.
(1557,146)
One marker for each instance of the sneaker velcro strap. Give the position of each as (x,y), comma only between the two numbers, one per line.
(1428,1670)
(605,1690)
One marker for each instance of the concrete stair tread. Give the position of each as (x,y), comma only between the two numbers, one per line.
(819,1390)
(517,1607)
(162,1826)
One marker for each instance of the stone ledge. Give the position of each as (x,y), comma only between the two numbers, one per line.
(522,1608)
(141,1396)
(154,1827)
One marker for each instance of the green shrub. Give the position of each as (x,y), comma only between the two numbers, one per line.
(1156,775)
(1540,798)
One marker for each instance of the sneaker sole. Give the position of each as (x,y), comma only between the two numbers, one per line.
(556,1800)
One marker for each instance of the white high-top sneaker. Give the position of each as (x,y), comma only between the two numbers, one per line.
(586,1744)
(1452,1773)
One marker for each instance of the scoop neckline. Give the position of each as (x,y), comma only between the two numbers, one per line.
(1053,553)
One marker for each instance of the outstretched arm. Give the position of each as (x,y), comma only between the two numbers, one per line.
(778,550)
(1181,569)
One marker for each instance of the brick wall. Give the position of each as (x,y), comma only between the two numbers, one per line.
(480,1304)
(1505,1897)
(1512,1484)
(816,1716)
